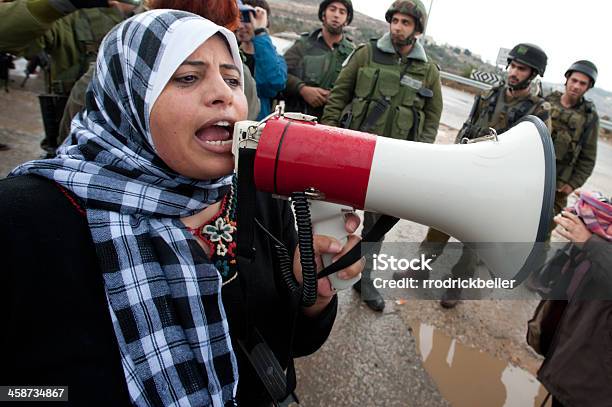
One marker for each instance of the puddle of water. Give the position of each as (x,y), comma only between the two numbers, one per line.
(467,377)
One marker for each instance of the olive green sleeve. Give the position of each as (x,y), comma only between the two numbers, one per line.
(344,88)
(433,107)
(586,159)
(293,58)
(25,23)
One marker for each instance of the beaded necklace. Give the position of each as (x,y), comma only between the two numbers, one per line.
(218,233)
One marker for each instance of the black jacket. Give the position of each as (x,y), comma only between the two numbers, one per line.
(56,325)
(578,367)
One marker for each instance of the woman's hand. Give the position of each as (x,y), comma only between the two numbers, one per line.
(572,228)
(329,245)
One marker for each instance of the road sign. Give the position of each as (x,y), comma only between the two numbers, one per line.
(502,57)
(486,77)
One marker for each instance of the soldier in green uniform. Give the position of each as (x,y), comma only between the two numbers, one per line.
(315,60)
(575,130)
(69,33)
(499,108)
(389,87)
(505,105)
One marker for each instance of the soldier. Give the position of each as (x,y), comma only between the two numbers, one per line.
(69,32)
(393,91)
(315,60)
(499,108)
(575,130)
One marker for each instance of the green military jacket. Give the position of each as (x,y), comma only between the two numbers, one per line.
(493,110)
(311,62)
(407,87)
(72,41)
(575,133)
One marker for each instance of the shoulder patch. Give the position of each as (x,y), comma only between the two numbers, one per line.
(546,106)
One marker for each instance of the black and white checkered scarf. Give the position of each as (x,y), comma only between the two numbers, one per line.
(164,296)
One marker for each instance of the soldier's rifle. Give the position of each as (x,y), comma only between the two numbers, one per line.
(466,129)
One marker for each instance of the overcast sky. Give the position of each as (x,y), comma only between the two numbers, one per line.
(567,30)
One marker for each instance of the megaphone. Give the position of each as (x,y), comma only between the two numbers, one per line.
(509,178)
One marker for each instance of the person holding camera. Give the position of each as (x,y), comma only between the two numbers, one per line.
(264,62)
(577,370)
(120,274)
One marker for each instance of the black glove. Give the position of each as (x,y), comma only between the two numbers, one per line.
(68,6)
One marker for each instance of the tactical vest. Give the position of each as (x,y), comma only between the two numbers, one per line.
(494,112)
(89,28)
(321,66)
(402,88)
(568,127)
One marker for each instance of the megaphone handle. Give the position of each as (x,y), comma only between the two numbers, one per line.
(328,220)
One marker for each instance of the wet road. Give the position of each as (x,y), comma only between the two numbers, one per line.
(457,105)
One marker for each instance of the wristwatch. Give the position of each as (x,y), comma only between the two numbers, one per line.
(260,30)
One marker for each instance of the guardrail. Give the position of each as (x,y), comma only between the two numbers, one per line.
(604,124)
(465,81)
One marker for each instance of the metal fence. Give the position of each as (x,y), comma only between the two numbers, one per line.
(605,124)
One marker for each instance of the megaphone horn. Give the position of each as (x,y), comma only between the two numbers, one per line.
(491,194)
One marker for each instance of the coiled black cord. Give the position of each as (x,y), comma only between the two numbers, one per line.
(307,255)
(285,262)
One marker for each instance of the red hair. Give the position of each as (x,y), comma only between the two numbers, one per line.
(220,12)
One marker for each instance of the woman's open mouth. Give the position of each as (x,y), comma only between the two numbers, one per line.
(216,137)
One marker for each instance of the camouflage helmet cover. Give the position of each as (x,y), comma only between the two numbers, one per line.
(530,55)
(413,8)
(347,3)
(586,67)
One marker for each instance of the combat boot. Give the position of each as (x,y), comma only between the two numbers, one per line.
(451,298)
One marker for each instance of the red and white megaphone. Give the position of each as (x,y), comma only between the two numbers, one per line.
(496,192)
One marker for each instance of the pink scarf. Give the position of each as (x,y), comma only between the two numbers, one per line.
(596,213)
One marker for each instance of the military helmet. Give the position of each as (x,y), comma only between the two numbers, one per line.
(586,67)
(413,8)
(347,3)
(530,55)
